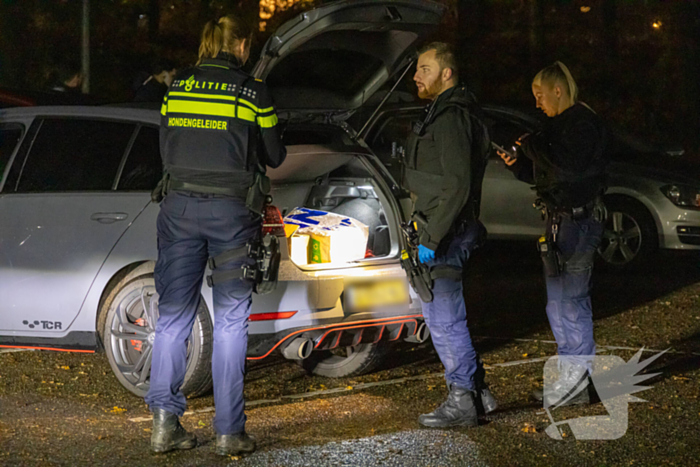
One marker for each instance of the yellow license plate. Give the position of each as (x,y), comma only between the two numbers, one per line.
(377,294)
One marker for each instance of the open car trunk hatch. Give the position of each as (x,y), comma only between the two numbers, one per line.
(333,58)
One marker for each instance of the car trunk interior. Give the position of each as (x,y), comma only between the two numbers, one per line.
(334,183)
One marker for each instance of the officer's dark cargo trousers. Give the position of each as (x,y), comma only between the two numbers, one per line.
(191,228)
(568,296)
(446,315)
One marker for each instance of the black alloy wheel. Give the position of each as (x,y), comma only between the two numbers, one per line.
(129,334)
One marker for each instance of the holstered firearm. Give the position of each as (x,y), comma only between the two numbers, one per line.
(258,194)
(550,256)
(268,260)
(418,273)
(547,246)
(263,273)
(158,192)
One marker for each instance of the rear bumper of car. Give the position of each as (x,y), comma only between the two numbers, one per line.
(353,330)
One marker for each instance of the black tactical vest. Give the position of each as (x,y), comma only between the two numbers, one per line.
(425,179)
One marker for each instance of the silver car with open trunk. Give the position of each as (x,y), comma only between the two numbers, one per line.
(78,243)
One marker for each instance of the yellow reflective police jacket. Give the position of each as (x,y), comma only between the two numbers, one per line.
(217,125)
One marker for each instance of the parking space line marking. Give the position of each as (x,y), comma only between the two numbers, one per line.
(609,347)
(354,388)
(408,378)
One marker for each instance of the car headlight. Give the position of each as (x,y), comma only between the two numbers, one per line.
(683,196)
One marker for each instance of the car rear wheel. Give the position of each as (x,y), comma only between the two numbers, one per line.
(129,331)
(346,361)
(630,237)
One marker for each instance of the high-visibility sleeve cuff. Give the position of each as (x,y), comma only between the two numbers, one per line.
(267,122)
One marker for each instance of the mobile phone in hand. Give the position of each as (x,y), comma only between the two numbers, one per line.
(512,154)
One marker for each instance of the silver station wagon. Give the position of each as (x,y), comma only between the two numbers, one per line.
(78,229)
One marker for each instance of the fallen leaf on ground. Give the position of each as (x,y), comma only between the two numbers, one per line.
(529,429)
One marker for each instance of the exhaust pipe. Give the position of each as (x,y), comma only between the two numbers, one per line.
(299,349)
(421,335)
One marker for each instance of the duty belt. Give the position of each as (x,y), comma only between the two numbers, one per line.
(172,184)
(575,213)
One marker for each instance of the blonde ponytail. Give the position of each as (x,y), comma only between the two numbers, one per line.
(224,35)
(558,73)
(212,41)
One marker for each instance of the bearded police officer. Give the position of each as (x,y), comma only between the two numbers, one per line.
(565,163)
(446,159)
(218,132)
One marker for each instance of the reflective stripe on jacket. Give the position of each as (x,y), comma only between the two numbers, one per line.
(218,125)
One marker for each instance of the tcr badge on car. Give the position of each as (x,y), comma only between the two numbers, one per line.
(43,324)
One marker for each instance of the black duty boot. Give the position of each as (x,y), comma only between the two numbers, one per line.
(570,380)
(458,410)
(485,402)
(231,445)
(168,434)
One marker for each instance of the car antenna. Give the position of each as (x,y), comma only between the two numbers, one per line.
(381,104)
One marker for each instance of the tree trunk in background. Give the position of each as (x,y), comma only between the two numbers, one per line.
(205,13)
(610,29)
(6,48)
(471,30)
(612,57)
(153,20)
(688,17)
(536,34)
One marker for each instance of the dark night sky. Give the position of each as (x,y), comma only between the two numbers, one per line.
(636,61)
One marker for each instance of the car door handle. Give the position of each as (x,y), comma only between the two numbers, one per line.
(108,217)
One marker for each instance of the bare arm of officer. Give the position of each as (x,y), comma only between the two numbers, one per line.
(270,129)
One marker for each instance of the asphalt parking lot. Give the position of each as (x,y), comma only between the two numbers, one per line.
(68,409)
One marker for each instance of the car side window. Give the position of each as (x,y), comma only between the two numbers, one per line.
(75,155)
(9,137)
(395,129)
(143,168)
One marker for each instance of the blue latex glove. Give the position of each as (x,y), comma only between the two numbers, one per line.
(425,254)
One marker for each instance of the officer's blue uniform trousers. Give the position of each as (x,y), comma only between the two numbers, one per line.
(192,228)
(568,296)
(446,315)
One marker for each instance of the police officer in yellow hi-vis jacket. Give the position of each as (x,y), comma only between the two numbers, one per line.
(218,133)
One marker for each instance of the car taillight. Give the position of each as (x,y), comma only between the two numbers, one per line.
(273,222)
